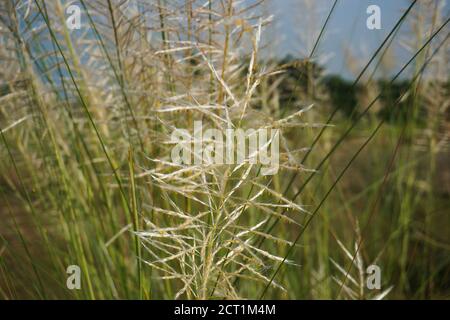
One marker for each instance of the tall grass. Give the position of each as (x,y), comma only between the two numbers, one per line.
(86,118)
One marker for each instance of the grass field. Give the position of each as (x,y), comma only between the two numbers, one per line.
(87,178)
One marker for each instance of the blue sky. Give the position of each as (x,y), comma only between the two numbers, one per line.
(346,29)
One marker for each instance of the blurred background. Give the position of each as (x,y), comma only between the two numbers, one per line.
(370,159)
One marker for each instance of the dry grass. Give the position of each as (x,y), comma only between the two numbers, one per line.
(87,177)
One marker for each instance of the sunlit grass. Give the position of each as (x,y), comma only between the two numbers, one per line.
(86,176)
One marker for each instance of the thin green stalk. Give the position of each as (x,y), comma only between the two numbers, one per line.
(351,161)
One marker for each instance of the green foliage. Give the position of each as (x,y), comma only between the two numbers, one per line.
(86,176)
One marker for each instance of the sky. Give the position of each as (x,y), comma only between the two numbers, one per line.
(346,30)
